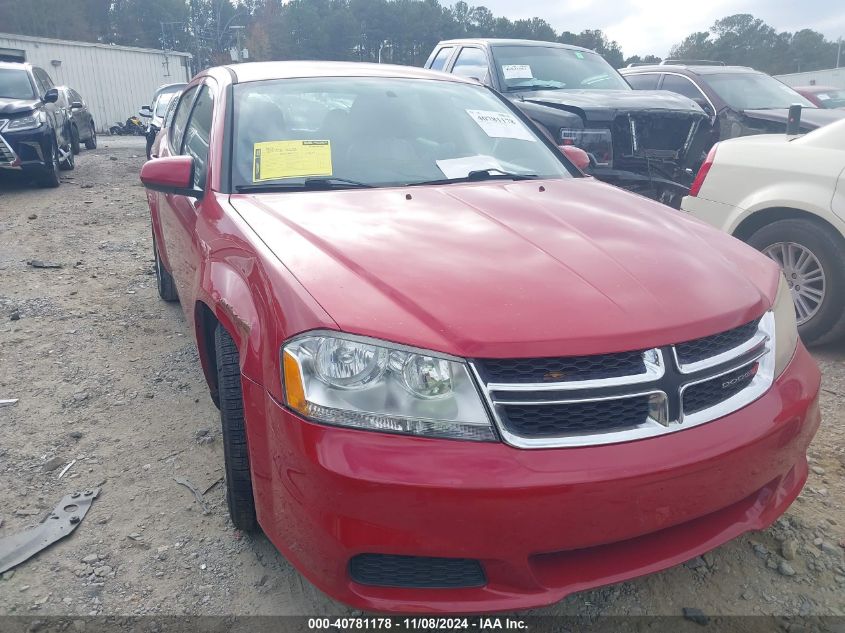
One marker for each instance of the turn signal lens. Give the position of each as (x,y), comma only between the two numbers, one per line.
(294,391)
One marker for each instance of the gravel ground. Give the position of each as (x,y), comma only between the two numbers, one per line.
(108,375)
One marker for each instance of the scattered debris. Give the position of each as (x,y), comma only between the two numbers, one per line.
(32,216)
(37,263)
(212,486)
(695,615)
(63,520)
(52,464)
(785,569)
(8,402)
(15,315)
(184,482)
(789,549)
(65,469)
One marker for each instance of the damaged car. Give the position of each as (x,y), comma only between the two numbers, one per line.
(740,101)
(36,137)
(454,374)
(650,143)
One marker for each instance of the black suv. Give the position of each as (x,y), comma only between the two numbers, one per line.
(35,132)
(651,143)
(740,101)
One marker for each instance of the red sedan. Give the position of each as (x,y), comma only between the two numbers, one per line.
(454,374)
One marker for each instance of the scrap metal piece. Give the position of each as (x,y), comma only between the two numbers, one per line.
(63,520)
(8,402)
(65,469)
(192,488)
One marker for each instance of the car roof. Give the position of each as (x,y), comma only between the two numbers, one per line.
(259,71)
(18,65)
(690,68)
(815,88)
(493,41)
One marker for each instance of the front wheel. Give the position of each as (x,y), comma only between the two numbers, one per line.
(813,261)
(239,493)
(74,139)
(66,160)
(49,176)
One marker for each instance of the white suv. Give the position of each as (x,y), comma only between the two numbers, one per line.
(785,195)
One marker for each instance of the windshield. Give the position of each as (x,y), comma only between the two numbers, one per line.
(379,132)
(15,84)
(162,102)
(754,91)
(538,67)
(832,98)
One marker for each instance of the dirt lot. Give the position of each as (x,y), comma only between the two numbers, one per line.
(108,375)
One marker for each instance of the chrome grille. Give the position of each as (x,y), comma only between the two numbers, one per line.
(7,156)
(581,401)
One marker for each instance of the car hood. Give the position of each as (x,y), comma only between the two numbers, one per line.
(605,105)
(17,106)
(811,118)
(502,269)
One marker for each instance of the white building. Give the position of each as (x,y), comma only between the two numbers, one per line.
(832,77)
(115,81)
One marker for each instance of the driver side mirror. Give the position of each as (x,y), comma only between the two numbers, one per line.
(51,96)
(146,111)
(171,174)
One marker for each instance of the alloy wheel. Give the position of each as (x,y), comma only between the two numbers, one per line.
(804,274)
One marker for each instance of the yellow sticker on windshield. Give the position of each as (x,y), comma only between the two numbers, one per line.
(291,159)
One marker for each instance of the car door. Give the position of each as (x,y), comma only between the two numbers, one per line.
(55,112)
(191,137)
(80,115)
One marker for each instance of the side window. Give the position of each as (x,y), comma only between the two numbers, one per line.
(643,81)
(45,78)
(471,62)
(682,86)
(180,119)
(39,85)
(439,61)
(198,133)
(75,96)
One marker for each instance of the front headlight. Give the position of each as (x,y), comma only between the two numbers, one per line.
(786,327)
(598,143)
(364,383)
(24,123)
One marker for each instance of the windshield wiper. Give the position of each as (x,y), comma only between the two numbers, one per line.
(322,183)
(491,173)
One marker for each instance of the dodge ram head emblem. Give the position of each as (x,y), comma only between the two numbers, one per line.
(554,376)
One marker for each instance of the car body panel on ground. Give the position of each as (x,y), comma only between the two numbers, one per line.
(511,266)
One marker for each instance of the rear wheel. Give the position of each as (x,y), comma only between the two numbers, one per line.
(239,494)
(164,280)
(91,143)
(49,176)
(813,261)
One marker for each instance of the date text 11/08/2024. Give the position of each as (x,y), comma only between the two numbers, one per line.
(423,623)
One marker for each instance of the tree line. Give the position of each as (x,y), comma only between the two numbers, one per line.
(396,31)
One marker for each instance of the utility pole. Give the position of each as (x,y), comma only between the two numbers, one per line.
(839,51)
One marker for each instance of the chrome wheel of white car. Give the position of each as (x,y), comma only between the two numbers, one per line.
(804,274)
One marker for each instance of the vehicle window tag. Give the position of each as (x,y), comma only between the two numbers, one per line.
(579,54)
(460,167)
(272,160)
(517,71)
(501,125)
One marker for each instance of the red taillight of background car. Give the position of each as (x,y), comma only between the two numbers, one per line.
(702,172)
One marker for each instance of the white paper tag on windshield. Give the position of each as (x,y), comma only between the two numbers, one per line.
(501,125)
(460,167)
(517,71)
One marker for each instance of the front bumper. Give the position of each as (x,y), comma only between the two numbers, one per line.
(543,523)
(25,150)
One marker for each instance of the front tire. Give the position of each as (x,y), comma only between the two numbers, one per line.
(68,162)
(50,175)
(164,280)
(813,261)
(74,140)
(239,495)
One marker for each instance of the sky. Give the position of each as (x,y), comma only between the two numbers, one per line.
(653,26)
